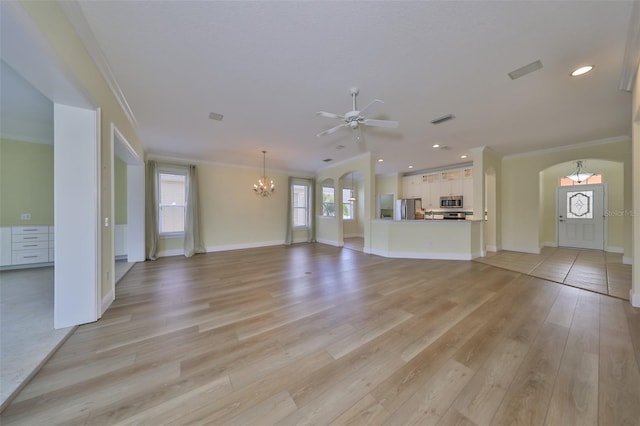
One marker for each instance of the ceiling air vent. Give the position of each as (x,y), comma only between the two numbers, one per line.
(326,160)
(442,119)
(215,116)
(527,69)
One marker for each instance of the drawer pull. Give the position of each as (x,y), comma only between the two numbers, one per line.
(30,257)
(30,245)
(30,238)
(30,229)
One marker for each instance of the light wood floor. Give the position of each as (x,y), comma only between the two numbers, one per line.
(318,334)
(593,270)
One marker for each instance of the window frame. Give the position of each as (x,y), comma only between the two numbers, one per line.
(175,171)
(306,207)
(325,203)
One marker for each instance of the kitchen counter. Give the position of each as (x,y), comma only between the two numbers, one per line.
(427,238)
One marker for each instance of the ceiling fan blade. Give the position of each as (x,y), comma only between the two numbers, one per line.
(330,115)
(332,130)
(370,109)
(381,123)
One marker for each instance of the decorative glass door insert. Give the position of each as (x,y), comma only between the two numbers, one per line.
(579,204)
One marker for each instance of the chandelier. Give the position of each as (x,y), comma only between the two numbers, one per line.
(579,175)
(353,195)
(264,187)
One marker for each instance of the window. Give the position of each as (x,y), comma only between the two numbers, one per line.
(348,198)
(172,202)
(328,201)
(564,181)
(300,206)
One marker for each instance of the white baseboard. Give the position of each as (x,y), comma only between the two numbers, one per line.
(168,253)
(612,249)
(330,242)
(107,300)
(549,244)
(229,247)
(627,260)
(353,236)
(634,298)
(522,249)
(426,256)
(493,248)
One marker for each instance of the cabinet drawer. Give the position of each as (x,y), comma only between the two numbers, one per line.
(29,238)
(30,245)
(30,256)
(19,230)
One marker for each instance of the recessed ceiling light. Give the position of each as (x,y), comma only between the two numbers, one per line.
(435,145)
(582,70)
(463,156)
(380,160)
(411,167)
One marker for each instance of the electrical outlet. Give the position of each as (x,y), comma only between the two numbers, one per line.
(25,216)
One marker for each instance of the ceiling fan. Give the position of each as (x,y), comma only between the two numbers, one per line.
(354,118)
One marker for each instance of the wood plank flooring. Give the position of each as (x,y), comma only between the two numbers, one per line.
(313,334)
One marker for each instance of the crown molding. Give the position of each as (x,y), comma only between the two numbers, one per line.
(631,58)
(616,139)
(74,14)
(186,161)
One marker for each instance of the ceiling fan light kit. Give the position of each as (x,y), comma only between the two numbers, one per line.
(355,117)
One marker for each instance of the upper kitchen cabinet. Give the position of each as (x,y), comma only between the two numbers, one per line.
(412,186)
(431,191)
(467,189)
(451,182)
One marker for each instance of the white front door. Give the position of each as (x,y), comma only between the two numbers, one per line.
(581,216)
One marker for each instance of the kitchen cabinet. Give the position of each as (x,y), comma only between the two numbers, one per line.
(431,186)
(412,186)
(431,191)
(451,182)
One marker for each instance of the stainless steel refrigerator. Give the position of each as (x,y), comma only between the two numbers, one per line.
(406,208)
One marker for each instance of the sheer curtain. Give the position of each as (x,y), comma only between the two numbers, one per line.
(289,237)
(311,234)
(151,210)
(192,240)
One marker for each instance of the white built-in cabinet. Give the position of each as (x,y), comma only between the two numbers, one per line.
(26,245)
(431,186)
(412,186)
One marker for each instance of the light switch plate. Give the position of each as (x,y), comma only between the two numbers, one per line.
(25,216)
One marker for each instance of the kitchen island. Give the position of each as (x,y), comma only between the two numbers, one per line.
(426,239)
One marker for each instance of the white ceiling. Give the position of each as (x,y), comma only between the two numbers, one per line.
(269,66)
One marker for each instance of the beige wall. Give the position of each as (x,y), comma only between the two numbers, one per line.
(612,174)
(231,215)
(76,62)
(521,205)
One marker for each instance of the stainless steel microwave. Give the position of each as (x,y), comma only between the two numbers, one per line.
(451,202)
